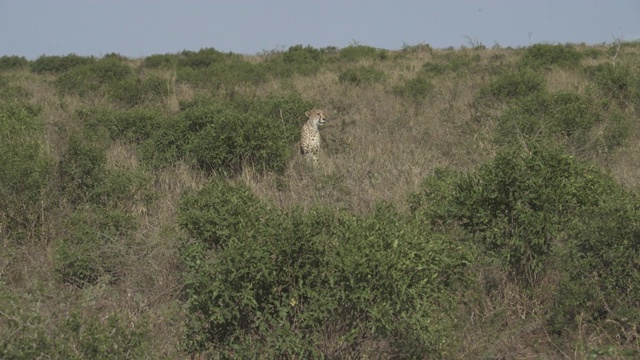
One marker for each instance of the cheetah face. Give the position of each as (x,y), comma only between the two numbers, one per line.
(317,116)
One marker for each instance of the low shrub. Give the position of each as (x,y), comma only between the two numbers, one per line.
(520,204)
(514,85)
(353,53)
(362,75)
(416,88)
(13,63)
(564,116)
(29,334)
(544,56)
(82,169)
(282,284)
(90,250)
(59,64)
(25,172)
(619,82)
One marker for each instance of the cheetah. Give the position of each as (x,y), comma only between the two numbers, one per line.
(310,136)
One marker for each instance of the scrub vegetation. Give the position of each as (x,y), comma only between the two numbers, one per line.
(468,203)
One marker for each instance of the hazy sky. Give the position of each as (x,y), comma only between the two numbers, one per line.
(138,28)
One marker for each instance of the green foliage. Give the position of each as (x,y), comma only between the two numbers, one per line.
(59,64)
(362,75)
(434,202)
(135,125)
(515,85)
(86,78)
(545,56)
(219,212)
(280,283)
(563,116)
(165,61)
(452,62)
(416,88)
(25,170)
(520,204)
(619,82)
(13,63)
(222,137)
(82,168)
(353,53)
(204,58)
(89,252)
(26,334)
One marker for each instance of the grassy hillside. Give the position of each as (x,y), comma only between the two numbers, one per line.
(468,203)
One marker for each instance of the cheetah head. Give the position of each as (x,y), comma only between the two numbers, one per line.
(317,116)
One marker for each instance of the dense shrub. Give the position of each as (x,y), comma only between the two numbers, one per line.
(25,171)
(205,57)
(13,63)
(355,53)
(90,250)
(135,125)
(27,333)
(288,284)
(222,137)
(82,168)
(416,88)
(564,116)
(515,85)
(160,61)
(619,82)
(298,59)
(58,64)
(229,138)
(603,267)
(520,204)
(545,56)
(452,62)
(362,75)
(85,79)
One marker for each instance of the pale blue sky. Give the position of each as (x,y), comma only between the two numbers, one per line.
(138,28)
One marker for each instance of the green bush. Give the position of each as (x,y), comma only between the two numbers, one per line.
(602,270)
(452,62)
(82,168)
(27,334)
(25,171)
(204,58)
(564,116)
(219,212)
(416,88)
(545,56)
(298,59)
(59,64)
(434,202)
(160,61)
(362,75)
(619,82)
(135,125)
(288,284)
(90,251)
(85,79)
(13,63)
(231,138)
(520,204)
(224,136)
(515,85)
(355,53)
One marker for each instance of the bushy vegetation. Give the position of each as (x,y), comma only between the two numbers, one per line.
(471,203)
(262,281)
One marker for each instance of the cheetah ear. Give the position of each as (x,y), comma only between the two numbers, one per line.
(307,114)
